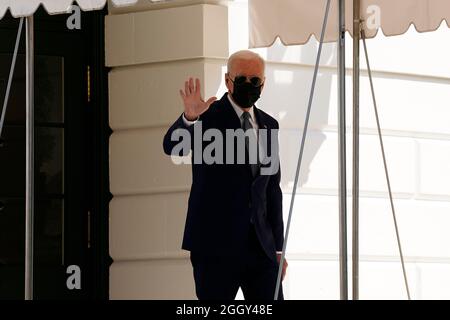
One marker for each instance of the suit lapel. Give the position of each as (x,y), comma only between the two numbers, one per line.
(265,144)
(259,118)
(229,117)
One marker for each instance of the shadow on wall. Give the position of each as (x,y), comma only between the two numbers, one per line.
(286,98)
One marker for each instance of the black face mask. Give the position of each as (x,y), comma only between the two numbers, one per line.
(246,94)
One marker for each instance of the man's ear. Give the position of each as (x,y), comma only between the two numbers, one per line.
(227,82)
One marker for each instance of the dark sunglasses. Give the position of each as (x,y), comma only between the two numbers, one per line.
(255,81)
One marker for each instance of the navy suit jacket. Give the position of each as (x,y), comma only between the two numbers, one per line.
(225,199)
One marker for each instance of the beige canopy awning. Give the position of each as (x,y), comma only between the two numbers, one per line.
(295,21)
(23,8)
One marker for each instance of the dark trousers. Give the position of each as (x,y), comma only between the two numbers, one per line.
(219,277)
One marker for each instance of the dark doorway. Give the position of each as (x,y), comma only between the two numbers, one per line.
(71,159)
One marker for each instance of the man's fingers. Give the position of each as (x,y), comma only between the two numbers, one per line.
(285,265)
(191,86)
(211,100)
(182,94)
(197,86)
(186,87)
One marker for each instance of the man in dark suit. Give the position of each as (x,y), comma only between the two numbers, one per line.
(234,225)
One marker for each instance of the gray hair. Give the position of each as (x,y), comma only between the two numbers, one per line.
(245,55)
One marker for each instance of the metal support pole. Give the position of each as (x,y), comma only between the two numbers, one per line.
(383,153)
(343,256)
(302,145)
(355,193)
(29,180)
(11,75)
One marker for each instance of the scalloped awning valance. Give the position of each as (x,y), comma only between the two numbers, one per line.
(295,21)
(23,8)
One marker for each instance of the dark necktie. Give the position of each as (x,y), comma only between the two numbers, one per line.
(246,125)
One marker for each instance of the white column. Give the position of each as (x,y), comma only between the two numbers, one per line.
(151,53)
